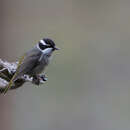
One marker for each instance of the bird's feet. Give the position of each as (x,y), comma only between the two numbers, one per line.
(43,77)
(37,79)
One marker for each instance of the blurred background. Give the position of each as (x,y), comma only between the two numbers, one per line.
(88,85)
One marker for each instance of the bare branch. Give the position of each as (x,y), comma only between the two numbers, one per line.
(7,70)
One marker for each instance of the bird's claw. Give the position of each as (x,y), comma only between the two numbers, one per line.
(37,79)
(43,77)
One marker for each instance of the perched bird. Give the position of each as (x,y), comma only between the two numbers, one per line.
(36,59)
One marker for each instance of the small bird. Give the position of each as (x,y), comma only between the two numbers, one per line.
(36,59)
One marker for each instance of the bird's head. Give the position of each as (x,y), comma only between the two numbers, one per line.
(47,46)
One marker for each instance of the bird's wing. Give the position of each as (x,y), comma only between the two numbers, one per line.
(29,62)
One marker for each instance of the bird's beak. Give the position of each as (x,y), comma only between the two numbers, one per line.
(56,48)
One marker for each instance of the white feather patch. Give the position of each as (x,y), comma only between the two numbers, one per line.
(41,41)
(47,51)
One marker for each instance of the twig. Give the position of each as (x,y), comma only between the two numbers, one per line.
(8,71)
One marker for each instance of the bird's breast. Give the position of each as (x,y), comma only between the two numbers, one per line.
(40,67)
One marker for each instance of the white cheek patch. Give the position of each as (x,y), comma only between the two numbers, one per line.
(41,41)
(47,51)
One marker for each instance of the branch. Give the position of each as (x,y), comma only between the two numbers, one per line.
(7,71)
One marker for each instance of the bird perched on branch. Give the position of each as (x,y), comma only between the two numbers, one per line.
(33,63)
(36,59)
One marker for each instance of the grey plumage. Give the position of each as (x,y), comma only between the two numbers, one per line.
(36,59)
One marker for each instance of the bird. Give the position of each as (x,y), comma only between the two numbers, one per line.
(36,59)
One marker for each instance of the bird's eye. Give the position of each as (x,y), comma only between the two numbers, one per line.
(42,47)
